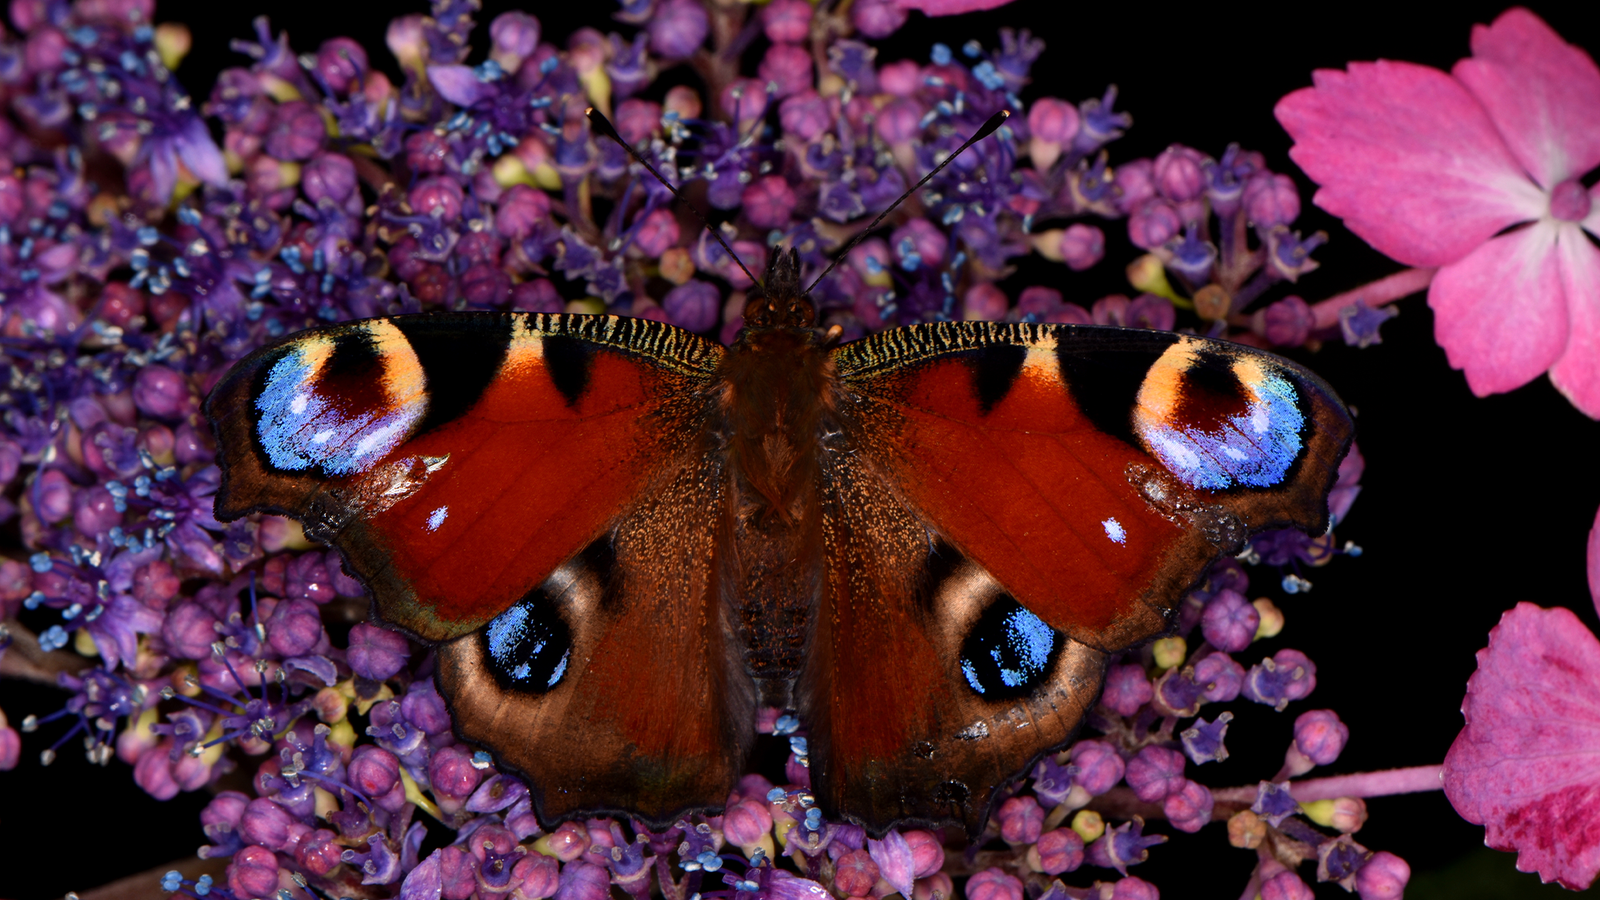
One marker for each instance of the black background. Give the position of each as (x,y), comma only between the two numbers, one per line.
(1469,505)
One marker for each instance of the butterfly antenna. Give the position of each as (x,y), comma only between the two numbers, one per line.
(989,127)
(604,126)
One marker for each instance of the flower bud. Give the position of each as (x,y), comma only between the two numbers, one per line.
(1099,767)
(1021,819)
(678,28)
(1271,618)
(1286,886)
(1126,689)
(993,884)
(984,302)
(341,64)
(1153,224)
(1320,735)
(1058,850)
(253,872)
(1246,830)
(1384,877)
(855,873)
(1082,246)
(1229,621)
(1155,772)
(1189,807)
(768,202)
(878,19)
(376,653)
(513,37)
(1089,825)
(788,66)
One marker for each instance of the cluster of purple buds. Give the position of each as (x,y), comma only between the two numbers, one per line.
(1153,732)
(190,648)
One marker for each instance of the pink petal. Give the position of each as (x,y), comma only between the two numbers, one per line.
(1577,373)
(1408,159)
(1594,562)
(1527,765)
(950,7)
(1542,92)
(1500,314)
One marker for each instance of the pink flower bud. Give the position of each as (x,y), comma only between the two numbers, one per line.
(1060,850)
(1082,246)
(769,201)
(1384,877)
(788,66)
(745,100)
(1153,224)
(1155,772)
(855,873)
(993,884)
(787,21)
(1286,886)
(1021,819)
(1189,807)
(253,872)
(984,302)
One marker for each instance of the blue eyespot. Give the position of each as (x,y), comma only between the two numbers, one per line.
(1009,652)
(529,646)
(1255,447)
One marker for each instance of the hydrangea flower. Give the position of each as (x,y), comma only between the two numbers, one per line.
(1527,766)
(1480,172)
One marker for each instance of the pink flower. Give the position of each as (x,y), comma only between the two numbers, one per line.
(1432,169)
(1527,765)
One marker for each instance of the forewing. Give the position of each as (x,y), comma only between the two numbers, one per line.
(1095,472)
(457,460)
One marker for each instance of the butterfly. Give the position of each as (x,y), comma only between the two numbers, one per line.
(624,540)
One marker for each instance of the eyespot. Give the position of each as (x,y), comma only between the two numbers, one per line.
(528,646)
(1009,651)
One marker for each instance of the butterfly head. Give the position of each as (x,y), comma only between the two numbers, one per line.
(780,301)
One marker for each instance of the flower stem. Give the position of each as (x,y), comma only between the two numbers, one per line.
(1392,287)
(1120,802)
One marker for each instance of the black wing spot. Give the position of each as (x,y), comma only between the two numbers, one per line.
(460,356)
(994,370)
(529,646)
(568,361)
(1104,379)
(355,355)
(1009,652)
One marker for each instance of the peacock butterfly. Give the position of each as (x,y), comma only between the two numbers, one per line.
(625,539)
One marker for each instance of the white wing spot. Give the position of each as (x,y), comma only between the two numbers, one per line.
(436,518)
(1115,531)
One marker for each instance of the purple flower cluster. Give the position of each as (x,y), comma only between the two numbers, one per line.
(140,255)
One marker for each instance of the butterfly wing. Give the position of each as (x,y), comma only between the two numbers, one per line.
(484,475)
(1017,477)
